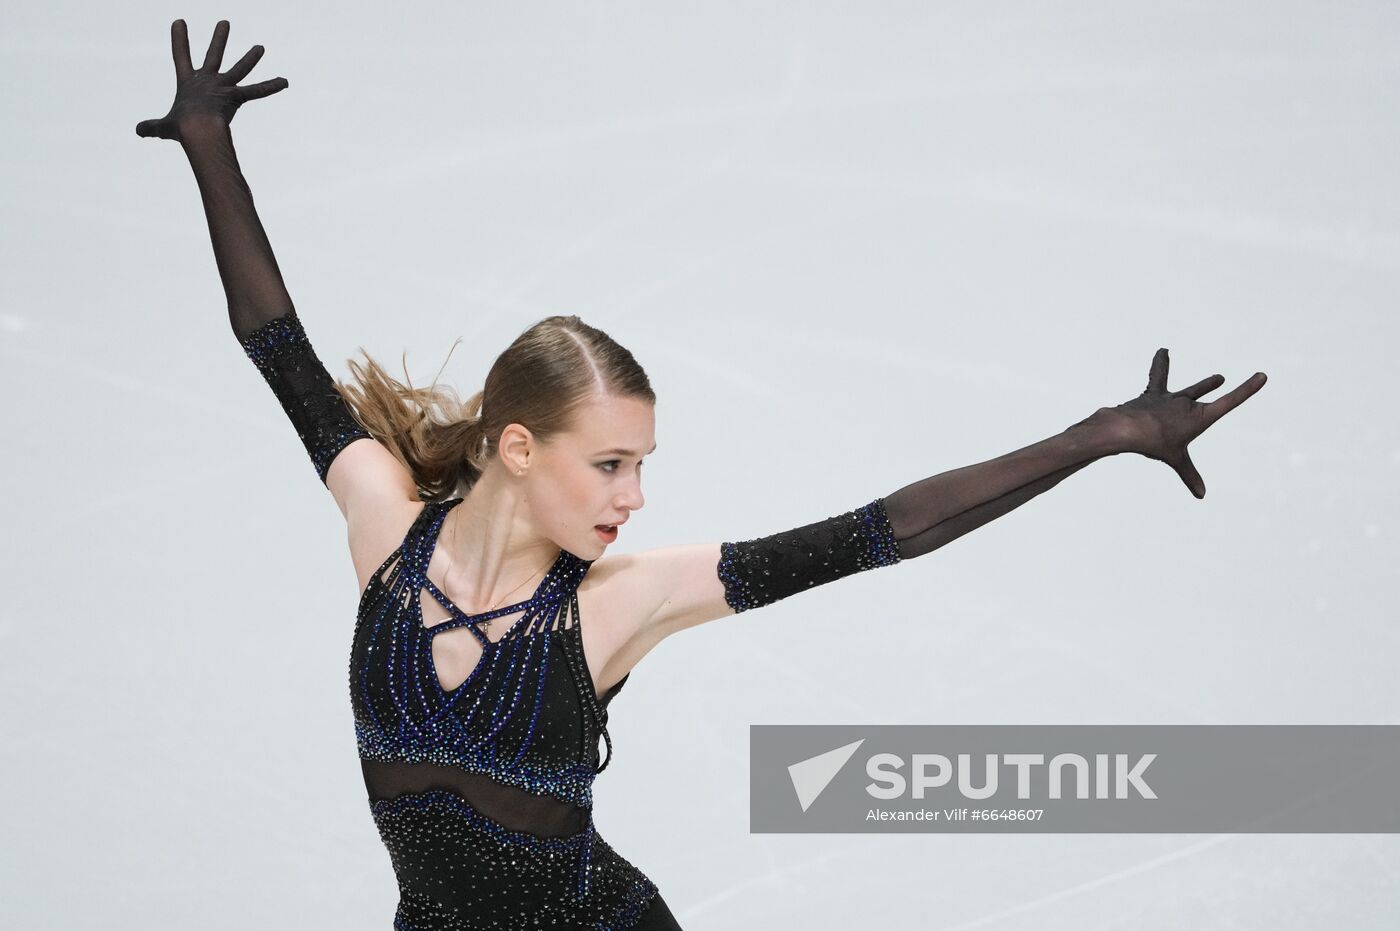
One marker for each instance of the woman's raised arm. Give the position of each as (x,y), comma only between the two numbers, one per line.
(199,119)
(260,309)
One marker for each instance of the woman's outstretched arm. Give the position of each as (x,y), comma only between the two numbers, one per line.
(927,514)
(680,586)
(948,529)
(937,510)
(1157,424)
(916,519)
(260,310)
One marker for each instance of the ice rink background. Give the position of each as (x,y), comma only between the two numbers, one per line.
(854,245)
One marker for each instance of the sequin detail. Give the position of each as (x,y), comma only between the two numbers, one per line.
(527,716)
(306,391)
(762,571)
(460,870)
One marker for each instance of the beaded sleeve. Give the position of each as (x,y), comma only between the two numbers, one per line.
(762,571)
(322,418)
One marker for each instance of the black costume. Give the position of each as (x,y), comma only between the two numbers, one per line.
(483,793)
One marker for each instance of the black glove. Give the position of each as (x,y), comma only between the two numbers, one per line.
(260,310)
(206,95)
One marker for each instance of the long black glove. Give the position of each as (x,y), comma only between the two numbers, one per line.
(260,309)
(1158,424)
(921,517)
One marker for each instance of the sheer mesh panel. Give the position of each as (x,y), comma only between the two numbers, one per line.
(512,808)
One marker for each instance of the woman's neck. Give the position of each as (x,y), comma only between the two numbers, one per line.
(492,546)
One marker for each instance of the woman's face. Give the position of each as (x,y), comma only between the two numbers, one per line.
(592,475)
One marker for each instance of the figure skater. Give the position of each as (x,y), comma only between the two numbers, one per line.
(492,632)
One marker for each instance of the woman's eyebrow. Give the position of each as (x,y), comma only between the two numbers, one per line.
(622,452)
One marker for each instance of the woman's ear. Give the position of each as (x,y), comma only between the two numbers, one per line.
(517,446)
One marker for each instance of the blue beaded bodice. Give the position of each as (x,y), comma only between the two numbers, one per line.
(527,715)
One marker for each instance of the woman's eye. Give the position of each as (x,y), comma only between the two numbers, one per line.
(614,463)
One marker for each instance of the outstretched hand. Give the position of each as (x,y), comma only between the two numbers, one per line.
(1160,424)
(204,95)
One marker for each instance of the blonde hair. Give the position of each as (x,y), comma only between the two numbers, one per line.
(539,382)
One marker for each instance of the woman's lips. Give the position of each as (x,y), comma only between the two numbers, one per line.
(606,534)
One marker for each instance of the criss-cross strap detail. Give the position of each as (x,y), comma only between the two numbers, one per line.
(462,619)
(550,588)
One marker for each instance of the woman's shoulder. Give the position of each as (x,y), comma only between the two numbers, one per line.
(376,533)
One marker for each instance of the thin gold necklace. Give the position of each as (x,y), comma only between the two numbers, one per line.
(487,622)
